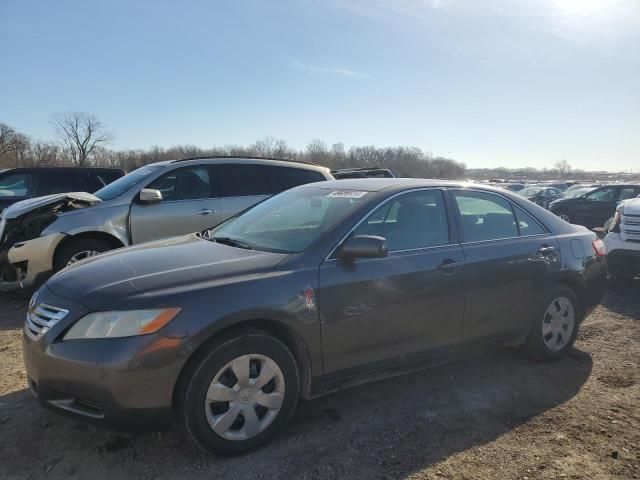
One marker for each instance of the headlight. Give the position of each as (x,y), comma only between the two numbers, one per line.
(124,323)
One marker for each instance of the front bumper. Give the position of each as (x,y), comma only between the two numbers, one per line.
(27,264)
(123,383)
(623,257)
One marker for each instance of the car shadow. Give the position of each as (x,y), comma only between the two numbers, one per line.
(623,297)
(391,427)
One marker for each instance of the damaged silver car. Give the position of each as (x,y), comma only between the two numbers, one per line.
(41,236)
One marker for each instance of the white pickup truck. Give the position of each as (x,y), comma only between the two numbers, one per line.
(622,243)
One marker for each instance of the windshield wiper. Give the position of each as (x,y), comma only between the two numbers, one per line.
(233,242)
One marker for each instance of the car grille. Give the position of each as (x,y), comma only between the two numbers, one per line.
(630,228)
(42,318)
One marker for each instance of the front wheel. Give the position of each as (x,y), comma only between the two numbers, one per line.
(565,216)
(241,394)
(77,250)
(554,326)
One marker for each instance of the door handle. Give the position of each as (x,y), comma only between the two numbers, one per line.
(546,250)
(449,265)
(204,211)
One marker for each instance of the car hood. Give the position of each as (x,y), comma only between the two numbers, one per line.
(158,269)
(24,206)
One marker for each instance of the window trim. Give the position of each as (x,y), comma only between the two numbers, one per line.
(331,257)
(510,202)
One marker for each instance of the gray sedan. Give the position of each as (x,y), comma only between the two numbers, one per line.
(318,288)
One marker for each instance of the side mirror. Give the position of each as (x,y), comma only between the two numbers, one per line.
(363,246)
(149,195)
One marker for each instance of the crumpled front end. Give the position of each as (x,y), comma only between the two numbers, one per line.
(26,257)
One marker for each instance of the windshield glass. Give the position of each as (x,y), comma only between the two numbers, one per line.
(529,191)
(578,192)
(123,184)
(289,222)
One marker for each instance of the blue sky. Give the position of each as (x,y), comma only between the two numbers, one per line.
(487,82)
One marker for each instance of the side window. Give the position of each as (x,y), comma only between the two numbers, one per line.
(627,192)
(56,182)
(288,177)
(87,182)
(601,195)
(485,216)
(189,183)
(235,180)
(526,224)
(17,185)
(413,220)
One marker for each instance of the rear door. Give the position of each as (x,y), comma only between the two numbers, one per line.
(509,257)
(386,311)
(239,186)
(187,206)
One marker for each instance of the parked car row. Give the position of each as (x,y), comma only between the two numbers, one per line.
(317,288)
(43,235)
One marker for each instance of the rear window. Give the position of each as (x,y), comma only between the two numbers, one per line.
(236,180)
(287,177)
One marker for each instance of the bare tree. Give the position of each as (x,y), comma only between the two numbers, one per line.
(44,154)
(81,133)
(563,167)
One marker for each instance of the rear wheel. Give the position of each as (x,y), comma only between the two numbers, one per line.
(77,250)
(554,326)
(241,394)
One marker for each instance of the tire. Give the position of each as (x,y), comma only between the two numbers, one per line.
(565,216)
(67,252)
(548,339)
(235,434)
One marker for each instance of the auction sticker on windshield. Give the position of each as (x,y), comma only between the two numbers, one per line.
(347,194)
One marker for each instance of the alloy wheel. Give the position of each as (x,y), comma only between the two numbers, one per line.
(244,397)
(81,256)
(558,323)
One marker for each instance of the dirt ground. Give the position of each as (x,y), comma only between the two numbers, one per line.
(497,416)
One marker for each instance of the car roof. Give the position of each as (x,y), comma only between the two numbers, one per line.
(378,184)
(279,162)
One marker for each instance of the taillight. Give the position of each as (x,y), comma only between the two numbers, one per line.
(598,247)
(615,225)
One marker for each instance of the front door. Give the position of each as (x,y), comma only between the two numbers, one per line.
(187,206)
(509,256)
(596,207)
(379,312)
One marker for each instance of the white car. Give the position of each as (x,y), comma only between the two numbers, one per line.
(622,243)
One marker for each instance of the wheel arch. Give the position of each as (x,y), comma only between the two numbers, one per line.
(279,330)
(112,240)
(579,290)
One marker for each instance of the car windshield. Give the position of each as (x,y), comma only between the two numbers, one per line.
(123,184)
(578,192)
(289,222)
(530,191)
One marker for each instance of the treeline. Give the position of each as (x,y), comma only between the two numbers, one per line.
(18,150)
(82,140)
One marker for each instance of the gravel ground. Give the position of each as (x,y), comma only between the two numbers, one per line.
(496,416)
